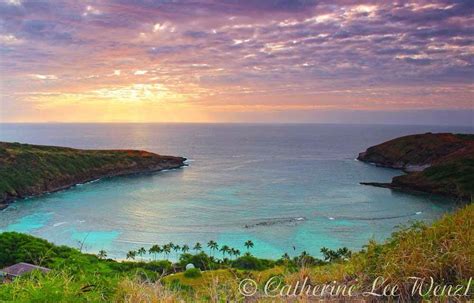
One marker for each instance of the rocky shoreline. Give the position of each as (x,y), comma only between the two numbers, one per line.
(31,170)
(441,164)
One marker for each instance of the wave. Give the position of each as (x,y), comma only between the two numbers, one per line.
(88,182)
(59,224)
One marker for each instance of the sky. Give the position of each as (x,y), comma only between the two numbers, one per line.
(237,61)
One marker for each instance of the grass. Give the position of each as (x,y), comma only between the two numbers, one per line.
(57,287)
(444,250)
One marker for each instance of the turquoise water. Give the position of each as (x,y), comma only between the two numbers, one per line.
(288,188)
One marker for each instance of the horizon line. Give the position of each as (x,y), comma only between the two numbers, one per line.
(242,123)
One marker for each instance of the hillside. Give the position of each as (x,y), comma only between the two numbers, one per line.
(28,170)
(435,163)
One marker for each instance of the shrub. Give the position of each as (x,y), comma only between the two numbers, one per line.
(16,247)
(249,262)
(193,273)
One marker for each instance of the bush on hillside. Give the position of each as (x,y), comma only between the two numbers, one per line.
(193,273)
(249,262)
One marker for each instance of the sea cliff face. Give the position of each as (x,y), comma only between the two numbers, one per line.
(29,170)
(435,163)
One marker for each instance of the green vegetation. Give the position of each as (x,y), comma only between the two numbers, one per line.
(16,247)
(33,169)
(449,157)
(454,177)
(443,251)
(193,273)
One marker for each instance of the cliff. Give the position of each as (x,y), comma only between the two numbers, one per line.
(28,170)
(435,163)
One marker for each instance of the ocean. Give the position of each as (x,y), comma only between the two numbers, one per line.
(288,188)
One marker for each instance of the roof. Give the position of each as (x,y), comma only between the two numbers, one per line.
(22,268)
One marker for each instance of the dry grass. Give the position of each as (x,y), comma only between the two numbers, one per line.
(444,251)
(134,291)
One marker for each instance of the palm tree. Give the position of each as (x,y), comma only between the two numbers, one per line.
(329,254)
(248,244)
(212,246)
(131,255)
(185,248)
(197,247)
(160,250)
(224,249)
(344,253)
(236,252)
(171,247)
(141,252)
(102,254)
(167,250)
(285,256)
(176,248)
(155,249)
(304,258)
(325,251)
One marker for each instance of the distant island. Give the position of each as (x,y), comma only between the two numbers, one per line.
(440,163)
(29,170)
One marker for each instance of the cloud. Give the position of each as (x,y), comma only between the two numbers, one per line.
(160,27)
(46,30)
(13,2)
(196,34)
(313,52)
(272,5)
(171,49)
(90,10)
(10,40)
(418,61)
(43,77)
